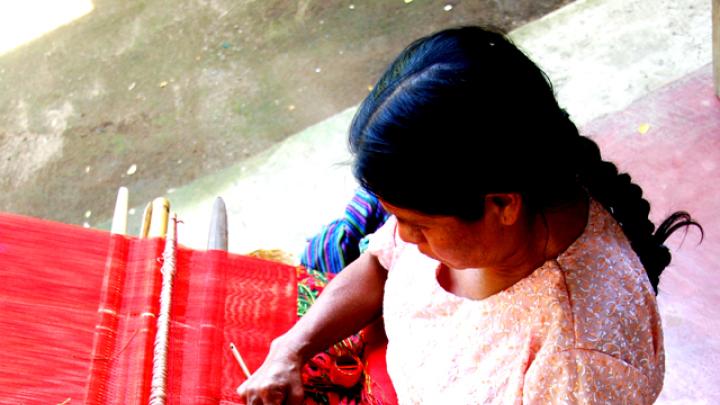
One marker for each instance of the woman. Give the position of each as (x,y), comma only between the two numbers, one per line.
(518,265)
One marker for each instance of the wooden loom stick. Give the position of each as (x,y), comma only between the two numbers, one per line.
(105,333)
(120,215)
(147,216)
(160,213)
(218,237)
(158,388)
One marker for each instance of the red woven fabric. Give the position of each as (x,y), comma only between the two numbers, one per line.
(57,347)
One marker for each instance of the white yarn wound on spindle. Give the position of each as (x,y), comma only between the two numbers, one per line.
(158,390)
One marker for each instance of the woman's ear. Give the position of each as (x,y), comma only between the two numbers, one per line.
(507,206)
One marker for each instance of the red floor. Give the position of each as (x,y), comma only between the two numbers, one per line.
(677,162)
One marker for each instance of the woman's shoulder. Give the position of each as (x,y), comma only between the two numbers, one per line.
(384,243)
(602,260)
(609,297)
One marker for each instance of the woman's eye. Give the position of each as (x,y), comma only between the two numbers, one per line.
(420,228)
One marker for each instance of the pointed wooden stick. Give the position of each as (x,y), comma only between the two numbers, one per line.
(218,237)
(120,215)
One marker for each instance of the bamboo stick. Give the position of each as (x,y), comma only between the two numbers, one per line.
(160,213)
(147,216)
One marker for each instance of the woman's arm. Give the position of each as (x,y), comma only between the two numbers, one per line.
(348,303)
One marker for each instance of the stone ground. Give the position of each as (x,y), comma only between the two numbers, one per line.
(155,94)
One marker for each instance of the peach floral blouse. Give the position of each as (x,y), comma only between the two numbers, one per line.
(583,328)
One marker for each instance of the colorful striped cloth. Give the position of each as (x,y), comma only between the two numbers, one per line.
(338,244)
(337,376)
(341,375)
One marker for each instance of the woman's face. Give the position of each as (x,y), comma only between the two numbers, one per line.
(485,243)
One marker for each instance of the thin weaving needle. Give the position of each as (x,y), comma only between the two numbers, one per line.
(239,359)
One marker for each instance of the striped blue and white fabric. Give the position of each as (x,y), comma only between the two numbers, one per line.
(338,243)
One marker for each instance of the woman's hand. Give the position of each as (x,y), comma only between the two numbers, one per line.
(349,302)
(277,381)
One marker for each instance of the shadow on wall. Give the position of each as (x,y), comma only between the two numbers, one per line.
(155,94)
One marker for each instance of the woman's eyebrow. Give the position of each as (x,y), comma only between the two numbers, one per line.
(414,222)
(401,218)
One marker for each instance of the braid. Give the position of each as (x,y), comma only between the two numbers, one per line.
(624,200)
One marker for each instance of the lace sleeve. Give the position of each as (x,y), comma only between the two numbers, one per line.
(384,243)
(585,377)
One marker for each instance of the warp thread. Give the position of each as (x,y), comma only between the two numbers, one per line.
(158,388)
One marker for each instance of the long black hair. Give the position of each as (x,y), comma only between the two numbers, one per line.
(463,113)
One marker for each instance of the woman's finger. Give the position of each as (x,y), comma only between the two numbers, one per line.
(296,395)
(272,396)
